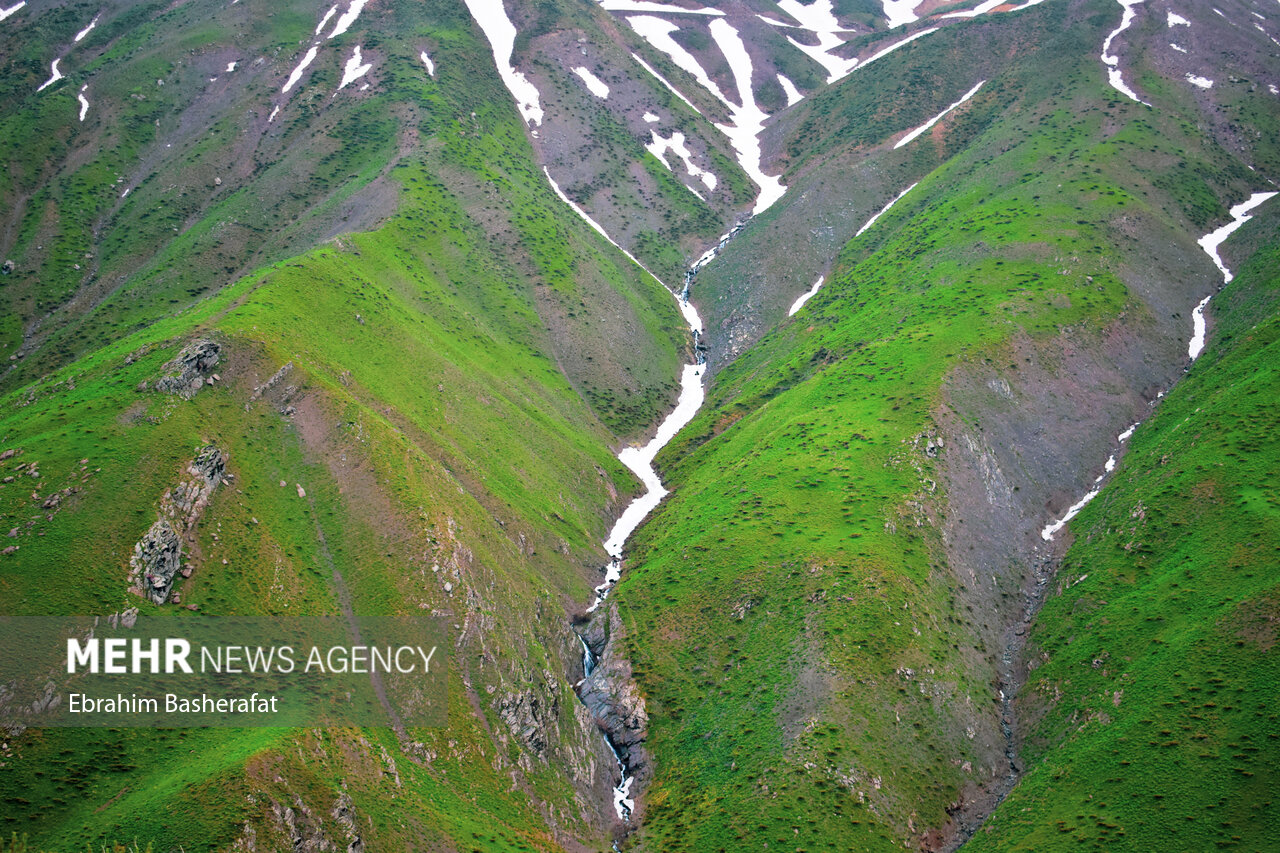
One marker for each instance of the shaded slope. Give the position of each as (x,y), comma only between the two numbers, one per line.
(1151,670)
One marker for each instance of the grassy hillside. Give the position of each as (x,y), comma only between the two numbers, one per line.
(1152,669)
(821,662)
(418,416)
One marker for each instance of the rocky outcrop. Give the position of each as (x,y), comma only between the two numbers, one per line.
(191,369)
(157,557)
(531,715)
(610,693)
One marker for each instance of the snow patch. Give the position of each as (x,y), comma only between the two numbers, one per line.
(273,115)
(296,74)
(821,21)
(660,146)
(1051,530)
(1176,20)
(80,35)
(501,33)
(597,86)
(981,9)
(1274,90)
(748,119)
(426,60)
(1202,82)
(347,18)
(354,70)
(650,117)
(4,13)
(900,12)
(53,78)
(1178,48)
(806,296)
(885,209)
(1113,62)
(793,94)
(231,66)
(931,122)
(660,8)
(84,102)
(327,15)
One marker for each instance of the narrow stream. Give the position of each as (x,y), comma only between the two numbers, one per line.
(640,461)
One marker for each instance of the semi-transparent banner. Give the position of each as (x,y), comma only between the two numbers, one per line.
(173,669)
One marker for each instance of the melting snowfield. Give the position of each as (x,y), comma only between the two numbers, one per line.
(353,70)
(426,60)
(296,74)
(806,296)
(54,77)
(793,94)
(80,35)
(885,209)
(931,122)
(1113,62)
(501,33)
(595,85)
(1202,82)
(660,146)
(1210,244)
(347,18)
(84,102)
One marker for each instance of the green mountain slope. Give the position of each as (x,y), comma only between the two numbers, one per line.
(821,639)
(1152,673)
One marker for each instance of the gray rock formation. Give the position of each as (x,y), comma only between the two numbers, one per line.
(610,693)
(189,371)
(157,557)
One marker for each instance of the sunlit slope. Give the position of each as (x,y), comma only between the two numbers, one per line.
(820,651)
(440,397)
(1152,670)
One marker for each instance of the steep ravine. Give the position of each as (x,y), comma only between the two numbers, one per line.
(1044,556)
(606,687)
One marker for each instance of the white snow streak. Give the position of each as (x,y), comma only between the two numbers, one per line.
(501,33)
(325,19)
(596,225)
(1210,244)
(53,78)
(660,146)
(296,74)
(650,117)
(1113,62)
(597,86)
(793,94)
(273,115)
(931,122)
(821,21)
(980,9)
(80,35)
(1051,529)
(806,296)
(426,60)
(84,102)
(658,33)
(231,66)
(347,18)
(885,209)
(1176,20)
(1202,82)
(354,70)
(748,119)
(4,13)
(660,8)
(663,80)
(1177,47)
